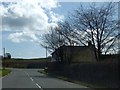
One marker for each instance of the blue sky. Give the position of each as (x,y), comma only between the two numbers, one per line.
(29,49)
(24,43)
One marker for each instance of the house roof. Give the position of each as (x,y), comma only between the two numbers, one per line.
(73,48)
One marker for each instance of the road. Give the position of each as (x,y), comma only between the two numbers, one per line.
(30,78)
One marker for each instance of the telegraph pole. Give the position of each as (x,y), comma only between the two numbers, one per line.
(3,62)
(46,51)
(46,60)
(4,53)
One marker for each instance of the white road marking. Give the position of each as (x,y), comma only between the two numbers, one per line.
(39,86)
(31,79)
(34,81)
(28,74)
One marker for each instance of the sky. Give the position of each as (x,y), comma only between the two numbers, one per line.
(23,23)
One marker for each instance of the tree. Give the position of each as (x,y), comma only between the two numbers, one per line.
(96,24)
(66,30)
(52,40)
(59,36)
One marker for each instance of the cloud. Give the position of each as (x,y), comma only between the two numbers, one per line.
(29,19)
(23,36)
(56,17)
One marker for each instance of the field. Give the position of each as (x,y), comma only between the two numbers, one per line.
(4,72)
(25,63)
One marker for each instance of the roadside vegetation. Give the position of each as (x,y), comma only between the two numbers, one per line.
(4,72)
(93,75)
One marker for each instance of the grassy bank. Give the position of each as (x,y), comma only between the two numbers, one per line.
(4,72)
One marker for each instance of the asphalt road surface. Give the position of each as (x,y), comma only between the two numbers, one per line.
(30,78)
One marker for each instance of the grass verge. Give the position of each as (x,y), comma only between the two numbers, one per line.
(4,72)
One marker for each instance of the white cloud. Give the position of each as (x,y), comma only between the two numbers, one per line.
(56,17)
(23,36)
(29,19)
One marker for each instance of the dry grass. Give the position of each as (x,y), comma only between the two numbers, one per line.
(4,72)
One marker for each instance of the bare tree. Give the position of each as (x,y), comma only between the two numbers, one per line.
(52,40)
(59,36)
(66,30)
(96,24)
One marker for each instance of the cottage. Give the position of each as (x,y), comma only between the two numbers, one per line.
(74,54)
